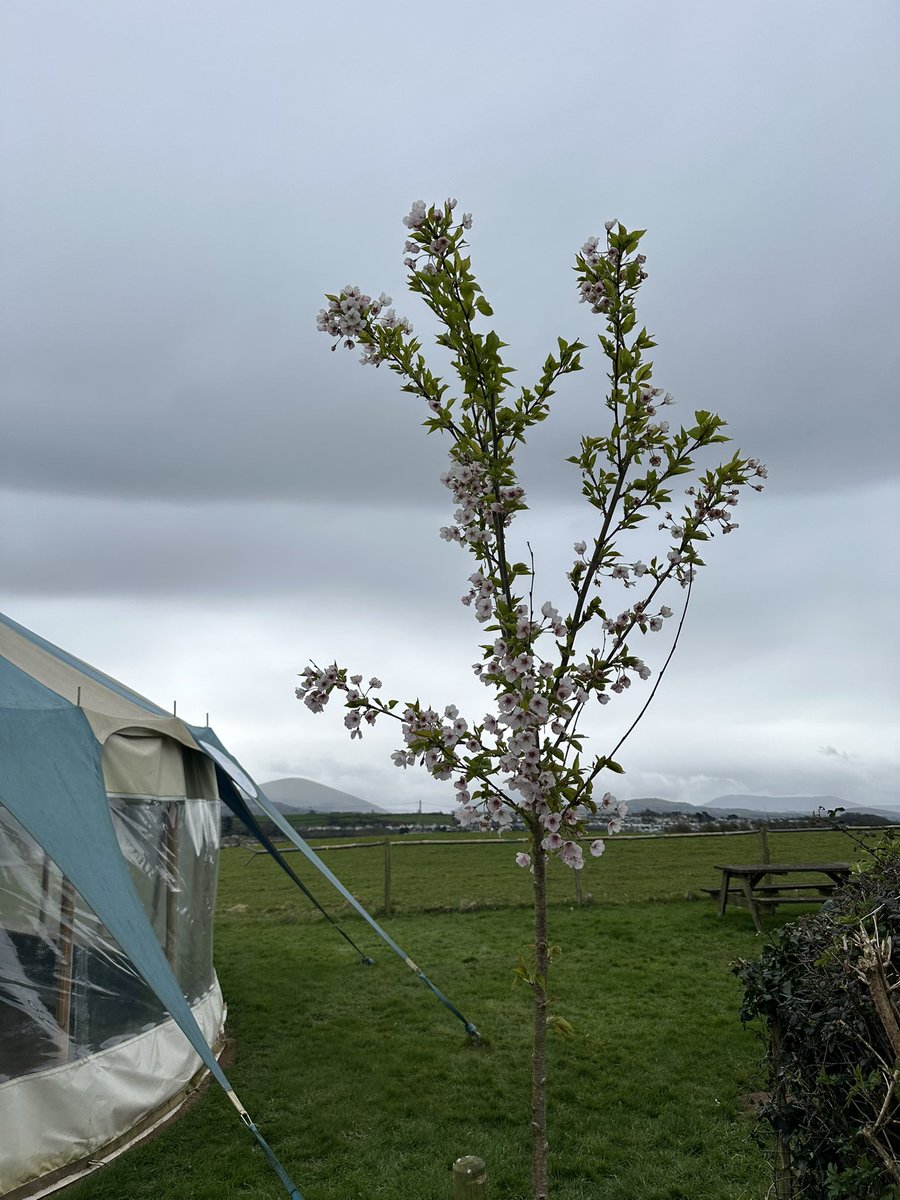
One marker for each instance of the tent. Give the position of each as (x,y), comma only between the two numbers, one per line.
(109,833)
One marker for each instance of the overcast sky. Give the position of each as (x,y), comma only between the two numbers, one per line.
(198,498)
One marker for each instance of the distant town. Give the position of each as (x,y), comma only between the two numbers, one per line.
(318,811)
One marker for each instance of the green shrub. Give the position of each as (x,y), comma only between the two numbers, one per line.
(823,990)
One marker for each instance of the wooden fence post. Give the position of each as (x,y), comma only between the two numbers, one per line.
(764,841)
(784,1173)
(387,876)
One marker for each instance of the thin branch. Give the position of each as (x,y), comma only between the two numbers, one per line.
(597,769)
(890,1163)
(659,677)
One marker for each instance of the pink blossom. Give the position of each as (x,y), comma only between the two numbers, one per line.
(571,854)
(523,860)
(416,216)
(597,847)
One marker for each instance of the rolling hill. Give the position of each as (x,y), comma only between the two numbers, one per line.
(305,795)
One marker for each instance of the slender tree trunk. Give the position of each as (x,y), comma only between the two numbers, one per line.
(540,987)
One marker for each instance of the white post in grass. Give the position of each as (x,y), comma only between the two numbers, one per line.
(469,1178)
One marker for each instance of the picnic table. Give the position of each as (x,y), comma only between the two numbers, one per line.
(743,882)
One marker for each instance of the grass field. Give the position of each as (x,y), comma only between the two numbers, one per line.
(368,1088)
(480,872)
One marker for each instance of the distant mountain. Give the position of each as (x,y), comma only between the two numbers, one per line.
(793,805)
(637,804)
(305,795)
(760,806)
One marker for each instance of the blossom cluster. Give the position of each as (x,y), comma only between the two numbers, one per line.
(351,316)
(513,739)
(479,504)
(426,241)
(599,284)
(317,686)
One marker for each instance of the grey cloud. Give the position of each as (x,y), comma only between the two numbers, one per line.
(74,547)
(165,258)
(833,752)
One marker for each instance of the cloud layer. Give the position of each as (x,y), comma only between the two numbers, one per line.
(199,497)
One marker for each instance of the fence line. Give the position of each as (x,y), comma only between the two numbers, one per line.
(468,840)
(387,844)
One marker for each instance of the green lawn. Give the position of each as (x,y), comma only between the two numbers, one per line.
(367,1087)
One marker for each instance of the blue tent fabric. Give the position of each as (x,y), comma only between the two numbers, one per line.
(19,691)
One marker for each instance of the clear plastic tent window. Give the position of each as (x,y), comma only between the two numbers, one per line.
(66,988)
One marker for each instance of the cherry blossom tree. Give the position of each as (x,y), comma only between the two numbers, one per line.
(525,757)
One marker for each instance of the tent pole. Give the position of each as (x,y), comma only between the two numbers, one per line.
(45,890)
(170,858)
(63,982)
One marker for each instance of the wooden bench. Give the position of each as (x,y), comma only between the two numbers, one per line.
(755,895)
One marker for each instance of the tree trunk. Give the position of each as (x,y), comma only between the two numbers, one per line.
(540,986)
